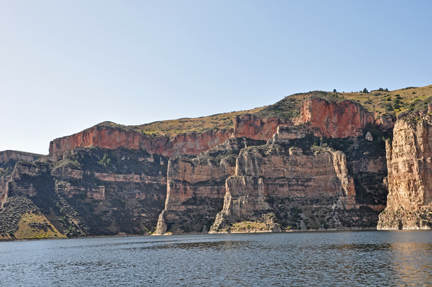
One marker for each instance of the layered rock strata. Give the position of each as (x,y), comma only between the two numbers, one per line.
(295,178)
(322,168)
(328,119)
(409,161)
(269,177)
(94,191)
(196,188)
(111,137)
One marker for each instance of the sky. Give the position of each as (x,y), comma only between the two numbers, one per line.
(68,65)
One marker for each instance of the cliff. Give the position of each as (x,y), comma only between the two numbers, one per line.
(331,119)
(337,119)
(280,189)
(196,188)
(315,160)
(112,137)
(409,161)
(90,191)
(293,179)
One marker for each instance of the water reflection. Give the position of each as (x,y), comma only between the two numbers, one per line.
(411,261)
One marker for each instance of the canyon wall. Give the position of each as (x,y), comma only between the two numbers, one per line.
(409,162)
(323,169)
(111,137)
(288,183)
(330,119)
(270,181)
(93,191)
(196,187)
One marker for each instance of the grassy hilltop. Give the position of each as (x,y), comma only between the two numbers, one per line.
(408,100)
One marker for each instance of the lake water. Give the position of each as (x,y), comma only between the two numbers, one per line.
(385,258)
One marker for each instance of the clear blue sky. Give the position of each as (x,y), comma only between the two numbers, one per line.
(67,65)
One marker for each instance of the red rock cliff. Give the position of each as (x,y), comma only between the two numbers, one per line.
(116,137)
(253,127)
(336,120)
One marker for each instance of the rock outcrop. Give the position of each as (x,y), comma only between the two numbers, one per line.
(330,119)
(311,161)
(253,127)
(113,137)
(409,161)
(338,119)
(196,188)
(268,176)
(94,191)
(277,186)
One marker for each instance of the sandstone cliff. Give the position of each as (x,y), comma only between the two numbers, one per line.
(269,178)
(338,119)
(330,119)
(113,137)
(409,161)
(89,192)
(295,181)
(311,161)
(196,188)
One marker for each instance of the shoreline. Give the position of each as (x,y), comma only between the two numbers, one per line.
(222,233)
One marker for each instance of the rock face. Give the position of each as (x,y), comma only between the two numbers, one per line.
(93,191)
(196,188)
(267,176)
(253,127)
(288,183)
(409,161)
(111,137)
(337,120)
(320,166)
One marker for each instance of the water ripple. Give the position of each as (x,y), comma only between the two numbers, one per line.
(294,259)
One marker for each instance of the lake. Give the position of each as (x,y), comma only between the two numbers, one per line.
(360,258)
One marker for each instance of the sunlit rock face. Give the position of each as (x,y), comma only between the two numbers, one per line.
(267,176)
(321,167)
(409,162)
(114,137)
(337,120)
(196,187)
(275,186)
